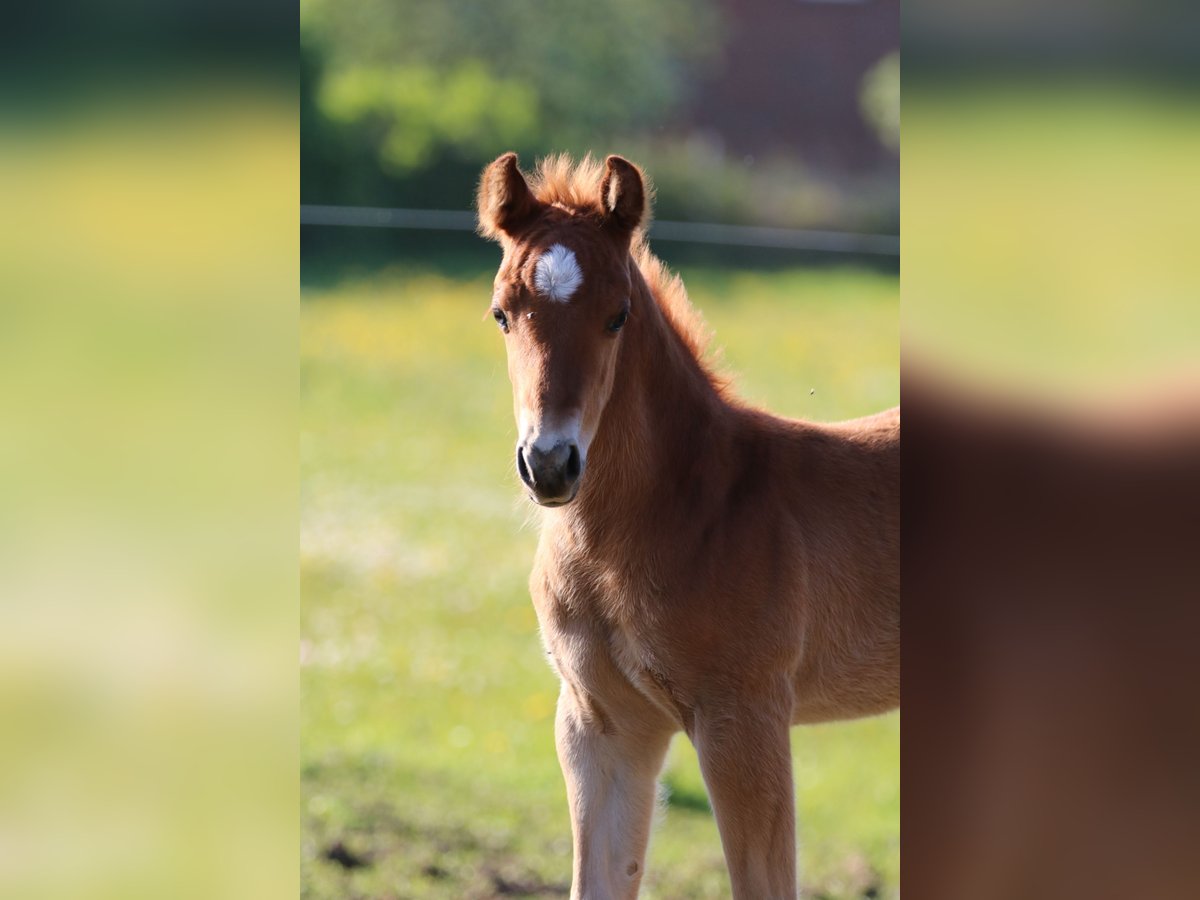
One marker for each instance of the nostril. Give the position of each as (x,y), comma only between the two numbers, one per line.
(522,469)
(573,463)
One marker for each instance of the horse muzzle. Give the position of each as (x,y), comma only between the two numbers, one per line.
(550,473)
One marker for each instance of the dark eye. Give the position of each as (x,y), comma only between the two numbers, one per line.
(501,318)
(615,325)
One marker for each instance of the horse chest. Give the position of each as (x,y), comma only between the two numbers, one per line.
(603,642)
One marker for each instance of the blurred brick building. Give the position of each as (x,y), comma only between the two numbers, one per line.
(790,78)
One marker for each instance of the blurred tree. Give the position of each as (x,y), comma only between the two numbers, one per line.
(466,79)
(419,111)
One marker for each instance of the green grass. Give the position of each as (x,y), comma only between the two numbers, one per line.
(427,706)
(1052,244)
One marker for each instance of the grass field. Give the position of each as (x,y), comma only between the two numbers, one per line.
(428,764)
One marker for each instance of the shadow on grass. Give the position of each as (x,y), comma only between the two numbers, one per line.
(679,797)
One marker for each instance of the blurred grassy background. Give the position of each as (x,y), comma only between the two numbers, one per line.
(428,763)
(148,281)
(1051,244)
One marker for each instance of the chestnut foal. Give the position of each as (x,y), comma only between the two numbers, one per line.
(703,566)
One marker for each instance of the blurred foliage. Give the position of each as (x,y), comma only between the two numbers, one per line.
(426,88)
(696,179)
(403,102)
(880,99)
(586,67)
(418,111)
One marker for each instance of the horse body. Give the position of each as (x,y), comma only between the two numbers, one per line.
(719,571)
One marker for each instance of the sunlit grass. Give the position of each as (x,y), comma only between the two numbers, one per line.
(1053,240)
(427,717)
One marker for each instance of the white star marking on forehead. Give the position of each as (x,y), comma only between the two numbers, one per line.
(557,274)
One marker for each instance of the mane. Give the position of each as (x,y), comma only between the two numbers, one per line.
(562,181)
(574,184)
(672,297)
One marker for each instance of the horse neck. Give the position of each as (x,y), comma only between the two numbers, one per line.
(659,428)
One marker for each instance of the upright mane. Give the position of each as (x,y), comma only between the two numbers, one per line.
(672,297)
(573,185)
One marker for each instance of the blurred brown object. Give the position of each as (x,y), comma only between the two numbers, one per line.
(1051,571)
(789,81)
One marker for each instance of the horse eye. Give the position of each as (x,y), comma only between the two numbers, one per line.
(501,318)
(615,325)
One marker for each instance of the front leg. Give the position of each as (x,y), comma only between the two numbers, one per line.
(744,749)
(610,759)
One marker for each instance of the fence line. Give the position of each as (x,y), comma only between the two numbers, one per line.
(688,232)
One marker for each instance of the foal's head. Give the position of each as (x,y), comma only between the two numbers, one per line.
(562,298)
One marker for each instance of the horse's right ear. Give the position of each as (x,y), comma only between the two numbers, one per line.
(505,203)
(623,195)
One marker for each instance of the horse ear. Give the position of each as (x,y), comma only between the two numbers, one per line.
(623,194)
(504,202)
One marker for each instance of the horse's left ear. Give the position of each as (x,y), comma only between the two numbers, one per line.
(623,195)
